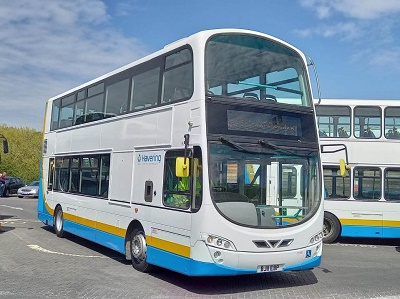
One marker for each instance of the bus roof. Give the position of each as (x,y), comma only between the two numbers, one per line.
(359,102)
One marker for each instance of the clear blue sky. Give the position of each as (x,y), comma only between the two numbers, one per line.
(50,46)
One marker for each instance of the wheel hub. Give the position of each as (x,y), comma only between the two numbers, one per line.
(139,247)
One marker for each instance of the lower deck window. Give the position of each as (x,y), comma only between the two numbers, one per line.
(88,174)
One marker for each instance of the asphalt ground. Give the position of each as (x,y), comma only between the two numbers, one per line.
(34,263)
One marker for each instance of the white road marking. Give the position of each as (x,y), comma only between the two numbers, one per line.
(38,248)
(14,208)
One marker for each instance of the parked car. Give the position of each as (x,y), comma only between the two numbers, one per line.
(12,185)
(31,190)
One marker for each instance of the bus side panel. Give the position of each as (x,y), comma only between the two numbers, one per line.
(361,231)
(391,232)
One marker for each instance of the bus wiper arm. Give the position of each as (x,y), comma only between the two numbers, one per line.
(233,145)
(283,150)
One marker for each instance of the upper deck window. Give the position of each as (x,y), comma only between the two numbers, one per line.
(255,68)
(334,121)
(392,122)
(177,81)
(367,122)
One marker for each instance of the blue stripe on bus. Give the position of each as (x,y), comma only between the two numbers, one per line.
(307,265)
(160,257)
(102,238)
(370,231)
(391,232)
(108,240)
(189,266)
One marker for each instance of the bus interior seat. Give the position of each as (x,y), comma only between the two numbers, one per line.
(251,95)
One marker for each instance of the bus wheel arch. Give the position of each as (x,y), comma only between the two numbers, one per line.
(136,247)
(332,227)
(58,221)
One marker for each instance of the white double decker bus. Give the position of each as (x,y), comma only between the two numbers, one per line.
(188,158)
(366,201)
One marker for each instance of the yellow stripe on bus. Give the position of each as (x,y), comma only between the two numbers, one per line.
(172,247)
(369,222)
(176,248)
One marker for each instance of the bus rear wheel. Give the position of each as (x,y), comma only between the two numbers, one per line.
(331,228)
(139,251)
(59,222)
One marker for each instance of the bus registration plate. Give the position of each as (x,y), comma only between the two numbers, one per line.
(268,268)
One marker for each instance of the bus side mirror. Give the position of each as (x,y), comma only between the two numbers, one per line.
(182,167)
(5,146)
(343,167)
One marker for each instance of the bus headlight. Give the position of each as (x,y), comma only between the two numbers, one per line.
(316,238)
(219,242)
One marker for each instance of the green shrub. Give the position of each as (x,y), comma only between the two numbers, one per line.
(24,149)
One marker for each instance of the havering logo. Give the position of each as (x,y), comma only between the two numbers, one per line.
(149,158)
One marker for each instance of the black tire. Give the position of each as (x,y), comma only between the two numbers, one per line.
(139,251)
(332,228)
(59,222)
(19,196)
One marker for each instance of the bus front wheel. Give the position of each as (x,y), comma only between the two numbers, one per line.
(331,228)
(59,222)
(139,251)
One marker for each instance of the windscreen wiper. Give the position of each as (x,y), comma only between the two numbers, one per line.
(234,145)
(282,149)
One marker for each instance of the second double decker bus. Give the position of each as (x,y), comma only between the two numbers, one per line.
(366,201)
(202,158)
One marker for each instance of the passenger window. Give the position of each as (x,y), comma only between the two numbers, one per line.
(66,116)
(178,76)
(67,111)
(94,108)
(79,113)
(367,183)
(392,122)
(333,121)
(117,98)
(392,184)
(336,186)
(63,174)
(55,114)
(90,175)
(367,122)
(145,89)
